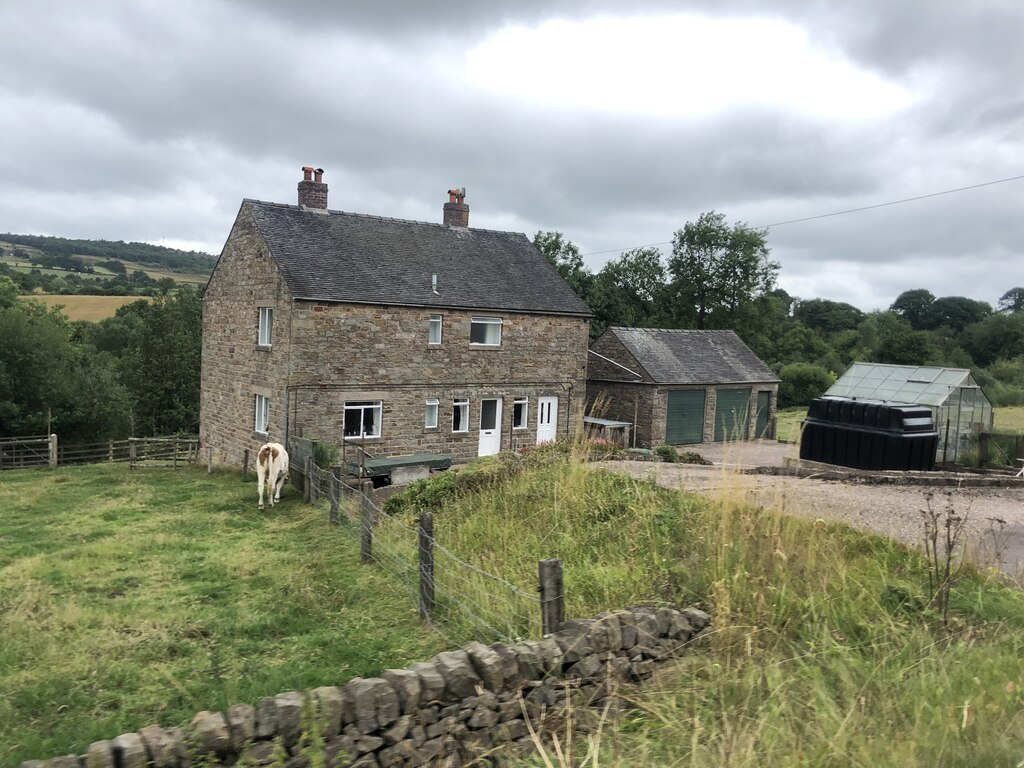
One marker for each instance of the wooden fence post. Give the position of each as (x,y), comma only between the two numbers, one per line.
(308,485)
(426,564)
(365,521)
(132,452)
(983,440)
(335,494)
(245,464)
(552,598)
(53,451)
(209,460)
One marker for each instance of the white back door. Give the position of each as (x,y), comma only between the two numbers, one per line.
(490,427)
(547,419)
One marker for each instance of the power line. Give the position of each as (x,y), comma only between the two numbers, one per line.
(835,213)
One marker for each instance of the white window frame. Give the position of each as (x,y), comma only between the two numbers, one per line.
(487,323)
(525,420)
(261,406)
(266,326)
(436,322)
(431,415)
(463,403)
(363,405)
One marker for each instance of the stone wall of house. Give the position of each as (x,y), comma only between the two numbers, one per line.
(234,367)
(352,353)
(324,354)
(444,712)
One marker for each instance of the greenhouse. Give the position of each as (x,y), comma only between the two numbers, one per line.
(959,406)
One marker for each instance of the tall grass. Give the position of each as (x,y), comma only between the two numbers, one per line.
(823,650)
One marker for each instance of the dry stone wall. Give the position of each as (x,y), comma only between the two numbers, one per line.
(450,711)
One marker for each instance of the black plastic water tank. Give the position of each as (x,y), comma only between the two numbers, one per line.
(869,434)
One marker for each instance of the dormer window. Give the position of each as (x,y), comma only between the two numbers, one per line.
(265,326)
(485,331)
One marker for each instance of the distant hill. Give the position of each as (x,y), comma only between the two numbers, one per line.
(57,265)
(142,254)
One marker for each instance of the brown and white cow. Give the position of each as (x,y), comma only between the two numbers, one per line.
(272,468)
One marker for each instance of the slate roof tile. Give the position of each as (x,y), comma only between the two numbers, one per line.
(672,356)
(349,257)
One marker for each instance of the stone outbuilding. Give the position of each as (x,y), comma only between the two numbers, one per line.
(680,387)
(403,336)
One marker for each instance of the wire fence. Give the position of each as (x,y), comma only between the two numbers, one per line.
(460,599)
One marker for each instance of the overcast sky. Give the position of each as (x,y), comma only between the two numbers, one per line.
(151,121)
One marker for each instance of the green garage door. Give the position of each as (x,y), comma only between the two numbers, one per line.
(731,413)
(764,405)
(684,421)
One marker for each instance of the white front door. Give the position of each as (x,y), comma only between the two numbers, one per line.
(490,427)
(547,419)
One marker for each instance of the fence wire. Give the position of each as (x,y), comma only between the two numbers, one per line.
(469,602)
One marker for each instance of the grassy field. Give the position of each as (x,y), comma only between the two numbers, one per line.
(91,308)
(825,647)
(1009,419)
(130,598)
(788,423)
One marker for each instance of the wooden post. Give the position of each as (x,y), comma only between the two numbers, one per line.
(365,521)
(245,463)
(335,494)
(110,451)
(174,460)
(308,484)
(983,438)
(426,565)
(53,451)
(552,599)
(132,452)
(209,460)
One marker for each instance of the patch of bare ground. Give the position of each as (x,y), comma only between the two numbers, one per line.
(995,527)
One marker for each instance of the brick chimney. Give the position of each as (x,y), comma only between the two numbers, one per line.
(456,212)
(312,190)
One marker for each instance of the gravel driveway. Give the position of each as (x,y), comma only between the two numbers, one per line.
(891,510)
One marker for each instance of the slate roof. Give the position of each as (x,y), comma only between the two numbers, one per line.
(671,356)
(350,257)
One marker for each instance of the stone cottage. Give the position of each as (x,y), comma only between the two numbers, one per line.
(404,336)
(680,387)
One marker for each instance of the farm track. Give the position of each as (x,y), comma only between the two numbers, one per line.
(893,511)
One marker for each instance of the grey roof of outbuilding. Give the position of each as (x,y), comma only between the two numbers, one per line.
(351,257)
(672,356)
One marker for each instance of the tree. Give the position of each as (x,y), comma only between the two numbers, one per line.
(564,256)
(914,307)
(1011,301)
(629,288)
(956,313)
(717,271)
(827,317)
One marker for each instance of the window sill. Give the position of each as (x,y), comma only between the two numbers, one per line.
(260,435)
(462,432)
(263,347)
(484,346)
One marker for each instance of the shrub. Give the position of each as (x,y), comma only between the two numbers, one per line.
(667,453)
(801,383)
(325,456)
